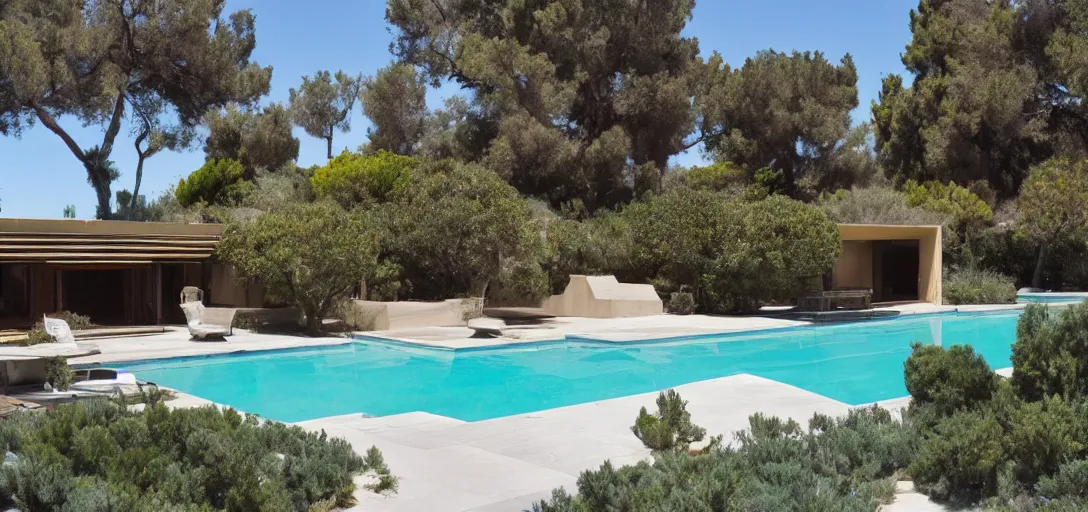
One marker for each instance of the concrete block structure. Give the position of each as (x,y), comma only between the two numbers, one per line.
(384,316)
(899,263)
(604,297)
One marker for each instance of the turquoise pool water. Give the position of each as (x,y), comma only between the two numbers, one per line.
(855,363)
(1050,298)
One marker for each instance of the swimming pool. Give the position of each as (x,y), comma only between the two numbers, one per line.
(854,363)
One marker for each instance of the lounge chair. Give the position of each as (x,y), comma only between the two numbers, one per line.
(205,323)
(59,330)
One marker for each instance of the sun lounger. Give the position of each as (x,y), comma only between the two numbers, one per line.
(59,330)
(208,323)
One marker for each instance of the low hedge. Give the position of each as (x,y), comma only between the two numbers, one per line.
(98,455)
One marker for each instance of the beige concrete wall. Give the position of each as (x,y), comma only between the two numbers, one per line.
(227,290)
(855,267)
(604,297)
(929,257)
(384,316)
(23,372)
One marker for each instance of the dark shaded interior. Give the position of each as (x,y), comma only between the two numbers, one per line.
(896,265)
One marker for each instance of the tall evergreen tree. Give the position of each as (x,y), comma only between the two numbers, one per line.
(573,95)
(322,106)
(788,112)
(998,87)
(259,140)
(395,101)
(99,60)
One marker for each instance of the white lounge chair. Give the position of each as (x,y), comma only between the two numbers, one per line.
(201,327)
(59,330)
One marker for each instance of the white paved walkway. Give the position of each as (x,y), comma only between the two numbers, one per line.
(507,464)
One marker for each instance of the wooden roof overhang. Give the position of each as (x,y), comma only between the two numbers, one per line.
(88,244)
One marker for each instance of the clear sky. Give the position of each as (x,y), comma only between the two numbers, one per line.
(39,176)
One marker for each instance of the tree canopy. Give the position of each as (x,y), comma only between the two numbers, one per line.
(395,101)
(322,107)
(789,112)
(998,87)
(310,255)
(572,96)
(260,140)
(1053,203)
(164,62)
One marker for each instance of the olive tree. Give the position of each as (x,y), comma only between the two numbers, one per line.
(457,230)
(309,254)
(1052,205)
(161,64)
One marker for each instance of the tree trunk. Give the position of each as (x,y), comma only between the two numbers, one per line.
(136,188)
(102,191)
(1037,277)
(313,324)
(329,139)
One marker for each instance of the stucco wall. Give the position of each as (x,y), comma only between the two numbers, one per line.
(384,316)
(604,297)
(228,290)
(850,269)
(855,267)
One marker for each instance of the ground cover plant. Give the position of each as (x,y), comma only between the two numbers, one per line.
(969,438)
(99,455)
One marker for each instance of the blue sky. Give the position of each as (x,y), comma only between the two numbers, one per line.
(39,176)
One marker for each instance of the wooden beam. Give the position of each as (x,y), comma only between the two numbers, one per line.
(23,238)
(102,248)
(101,256)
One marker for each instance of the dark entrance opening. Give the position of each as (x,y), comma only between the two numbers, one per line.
(99,294)
(896,266)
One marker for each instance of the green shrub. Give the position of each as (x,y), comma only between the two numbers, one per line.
(842,464)
(353,179)
(600,245)
(218,181)
(717,177)
(676,238)
(976,286)
(950,380)
(866,444)
(771,252)
(877,205)
(733,256)
(99,455)
(670,427)
(484,222)
(519,283)
(960,461)
(965,208)
(1070,481)
(58,374)
(1050,356)
(681,303)
(1043,435)
(75,321)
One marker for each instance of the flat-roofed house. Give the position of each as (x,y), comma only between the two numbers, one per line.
(115,272)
